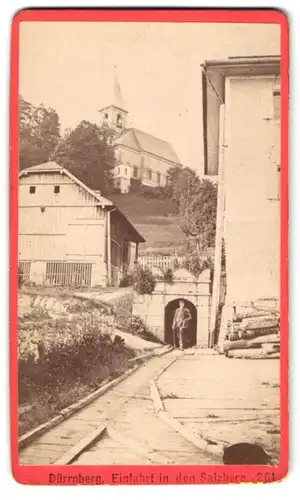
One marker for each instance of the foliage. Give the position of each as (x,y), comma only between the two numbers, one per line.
(196,202)
(39,132)
(123,310)
(196,264)
(144,281)
(71,359)
(127,280)
(20,277)
(168,275)
(130,323)
(199,215)
(181,183)
(87,153)
(138,328)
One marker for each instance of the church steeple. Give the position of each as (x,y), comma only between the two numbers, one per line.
(114,115)
(117,95)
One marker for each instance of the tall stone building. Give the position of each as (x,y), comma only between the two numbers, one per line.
(140,156)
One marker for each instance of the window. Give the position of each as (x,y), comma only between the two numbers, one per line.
(158,178)
(119,120)
(56,189)
(149,175)
(125,171)
(32,189)
(135,172)
(117,170)
(276,104)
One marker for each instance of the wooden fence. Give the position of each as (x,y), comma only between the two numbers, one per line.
(159,261)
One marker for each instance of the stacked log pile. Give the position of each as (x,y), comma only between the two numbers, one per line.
(254,334)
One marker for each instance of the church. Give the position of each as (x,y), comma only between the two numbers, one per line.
(141,157)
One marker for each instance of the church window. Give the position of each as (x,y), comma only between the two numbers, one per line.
(135,172)
(119,120)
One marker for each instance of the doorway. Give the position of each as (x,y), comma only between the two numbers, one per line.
(190,337)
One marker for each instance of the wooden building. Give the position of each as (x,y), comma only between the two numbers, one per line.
(70,234)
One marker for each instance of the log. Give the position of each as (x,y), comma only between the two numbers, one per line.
(251,354)
(263,323)
(246,335)
(264,339)
(238,344)
(267,305)
(246,315)
(270,348)
(233,336)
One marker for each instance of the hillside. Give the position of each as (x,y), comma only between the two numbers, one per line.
(154,220)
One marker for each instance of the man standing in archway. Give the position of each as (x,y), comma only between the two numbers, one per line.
(181,320)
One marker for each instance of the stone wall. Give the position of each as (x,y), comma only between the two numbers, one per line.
(151,308)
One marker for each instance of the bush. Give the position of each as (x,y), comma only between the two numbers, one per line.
(127,280)
(20,277)
(144,281)
(168,275)
(196,264)
(64,364)
(139,329)
(123,311)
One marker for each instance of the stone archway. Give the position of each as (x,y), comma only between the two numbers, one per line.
(191,332)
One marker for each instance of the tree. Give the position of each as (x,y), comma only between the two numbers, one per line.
(199,213)
(39,133)
(181,183)
(196,202)
(87,153)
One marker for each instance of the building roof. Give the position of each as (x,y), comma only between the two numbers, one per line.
(244,65)
(147,143)
(214,74)
(51,166)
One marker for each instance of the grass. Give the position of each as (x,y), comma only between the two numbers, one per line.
(154,219)
(44,402)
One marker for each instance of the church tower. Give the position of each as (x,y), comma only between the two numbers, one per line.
(114,116)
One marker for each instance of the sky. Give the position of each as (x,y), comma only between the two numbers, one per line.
(70,67)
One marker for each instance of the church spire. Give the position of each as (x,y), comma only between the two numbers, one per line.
(114,115)
(117,94)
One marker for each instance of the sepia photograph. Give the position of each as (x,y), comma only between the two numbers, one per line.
(149,245)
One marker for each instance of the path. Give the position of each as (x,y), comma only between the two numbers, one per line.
(110,296)
(225,400)
(134,435)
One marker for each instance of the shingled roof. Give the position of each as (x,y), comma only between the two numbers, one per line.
(144,142)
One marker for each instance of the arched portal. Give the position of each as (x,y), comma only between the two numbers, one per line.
(190,336)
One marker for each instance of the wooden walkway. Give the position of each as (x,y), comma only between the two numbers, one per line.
(125,427)
(225,400)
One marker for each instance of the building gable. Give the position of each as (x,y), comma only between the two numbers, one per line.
(128,139)
(50,174)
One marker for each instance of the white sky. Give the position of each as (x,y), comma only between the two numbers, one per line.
(70,67)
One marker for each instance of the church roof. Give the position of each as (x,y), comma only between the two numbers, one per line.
(144,142)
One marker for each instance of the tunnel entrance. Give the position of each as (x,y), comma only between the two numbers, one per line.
(190,335)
